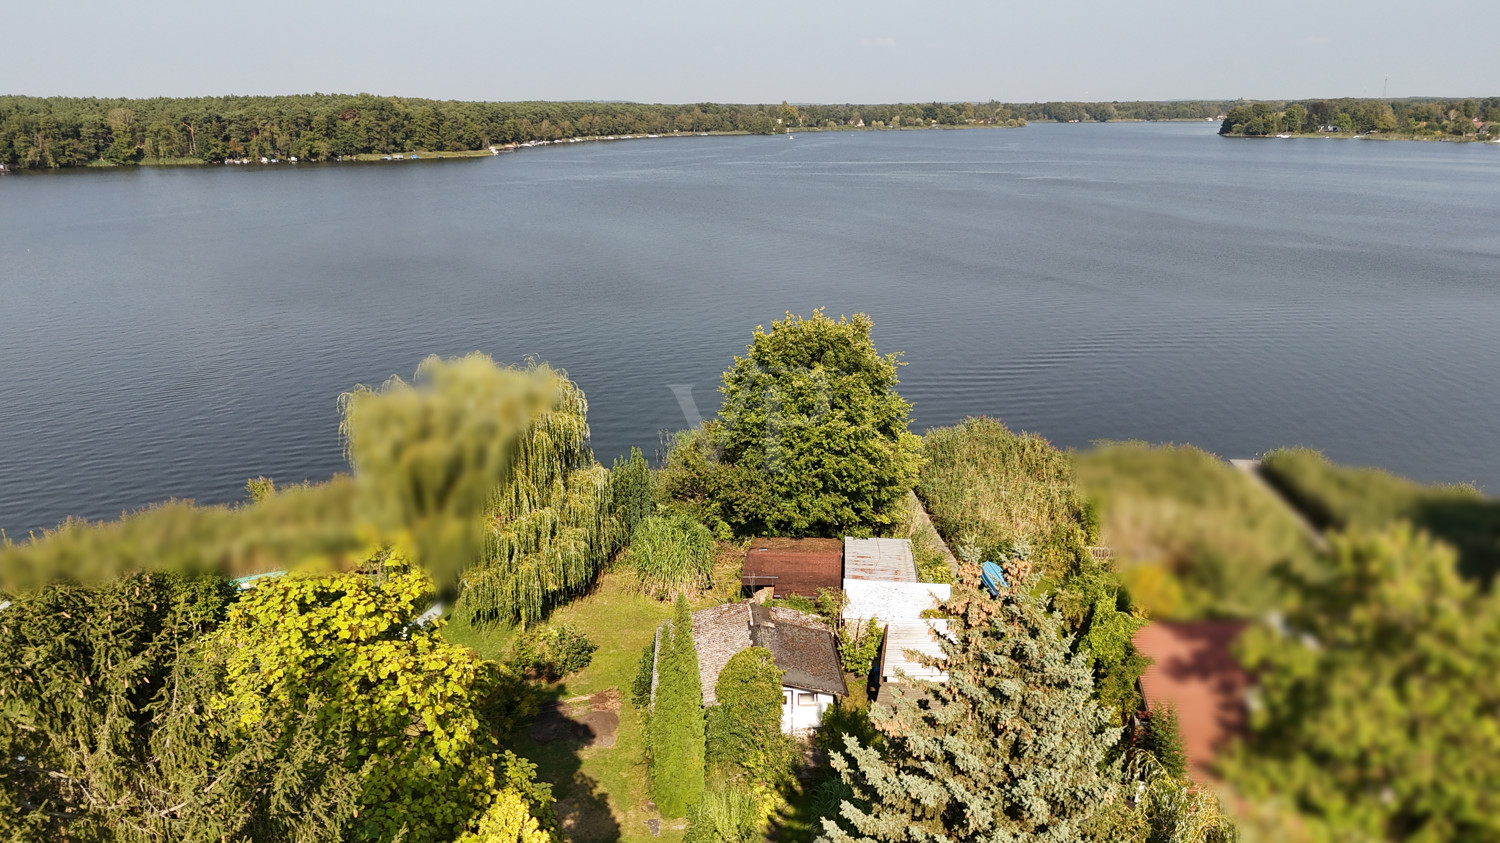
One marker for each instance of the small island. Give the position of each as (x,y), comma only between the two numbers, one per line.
(1409,119)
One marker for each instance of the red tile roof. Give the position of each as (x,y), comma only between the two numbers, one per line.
(1195,671)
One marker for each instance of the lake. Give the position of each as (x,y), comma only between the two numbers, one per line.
(172,332)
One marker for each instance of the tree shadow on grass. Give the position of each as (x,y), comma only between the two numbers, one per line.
(554,740)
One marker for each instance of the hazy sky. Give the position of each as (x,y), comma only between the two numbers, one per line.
(764,51)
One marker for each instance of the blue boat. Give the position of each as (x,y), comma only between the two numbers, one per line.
(993,578)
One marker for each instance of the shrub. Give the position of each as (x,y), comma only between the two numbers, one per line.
(551,652)
(670,555)
(1164,739)
(1337,497)
(858,652)
(812,439)
(996,489)
(744,727)
(728,814)
(1192,535)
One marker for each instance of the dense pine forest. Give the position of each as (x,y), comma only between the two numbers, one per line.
(1433,118)
(44,133)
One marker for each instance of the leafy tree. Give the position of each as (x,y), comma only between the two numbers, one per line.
(407,705)
(1376,703)
(744,727)
(675,731)
(812,439)
(1011,747)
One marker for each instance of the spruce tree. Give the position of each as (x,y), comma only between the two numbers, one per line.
(1012,747)
(675,732)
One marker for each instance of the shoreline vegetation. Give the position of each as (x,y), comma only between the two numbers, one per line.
(43,133)
(501,631)
(1466,120)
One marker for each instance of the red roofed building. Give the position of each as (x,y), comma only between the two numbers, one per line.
(794,566)
(1195,672)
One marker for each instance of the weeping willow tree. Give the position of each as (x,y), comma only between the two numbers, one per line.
(485,473)
(549,529)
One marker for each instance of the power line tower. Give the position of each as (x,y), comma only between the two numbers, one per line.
(1385,88)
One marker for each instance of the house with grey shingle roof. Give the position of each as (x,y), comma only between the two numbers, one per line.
(802,645)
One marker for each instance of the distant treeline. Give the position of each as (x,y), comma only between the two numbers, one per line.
(1415,117)
(71,132)
(41,133)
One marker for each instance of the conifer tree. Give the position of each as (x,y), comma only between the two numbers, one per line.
(675,732)
(1012,747)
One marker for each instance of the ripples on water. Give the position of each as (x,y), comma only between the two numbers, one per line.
(173,332)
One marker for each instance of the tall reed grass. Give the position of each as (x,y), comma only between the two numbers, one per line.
(1192,536)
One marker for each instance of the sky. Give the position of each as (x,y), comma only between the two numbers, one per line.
(764,51)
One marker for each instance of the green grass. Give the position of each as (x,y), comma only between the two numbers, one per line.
(1338,497)
(604,790)
(1193,536)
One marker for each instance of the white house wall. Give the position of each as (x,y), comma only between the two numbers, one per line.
(796,717)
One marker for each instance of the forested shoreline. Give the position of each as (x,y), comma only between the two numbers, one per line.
(1465,119)
(55,132)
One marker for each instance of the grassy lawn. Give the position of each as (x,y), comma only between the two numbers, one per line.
(602,792)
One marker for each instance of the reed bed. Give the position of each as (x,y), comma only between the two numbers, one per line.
(1192,536)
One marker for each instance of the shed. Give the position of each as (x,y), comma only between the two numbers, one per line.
(886,560)
(920,636)
(793,566)
(890,602)
(1194,670)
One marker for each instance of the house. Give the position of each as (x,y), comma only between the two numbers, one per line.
(801,644)
(793,566)
(1194,670)
(883,560)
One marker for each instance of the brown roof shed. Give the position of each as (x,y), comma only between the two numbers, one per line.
(794,566)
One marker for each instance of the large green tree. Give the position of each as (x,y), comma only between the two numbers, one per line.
(1012,747)
(1377,704)
(812,439)
(675,731)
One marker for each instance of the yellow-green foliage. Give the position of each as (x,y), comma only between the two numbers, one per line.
(1002,491)
(299,524)
(408,701)
(1337,497)
(1192,535)
(508,820)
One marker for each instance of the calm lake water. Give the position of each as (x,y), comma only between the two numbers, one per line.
(172,332)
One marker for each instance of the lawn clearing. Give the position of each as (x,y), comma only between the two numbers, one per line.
(601,791)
